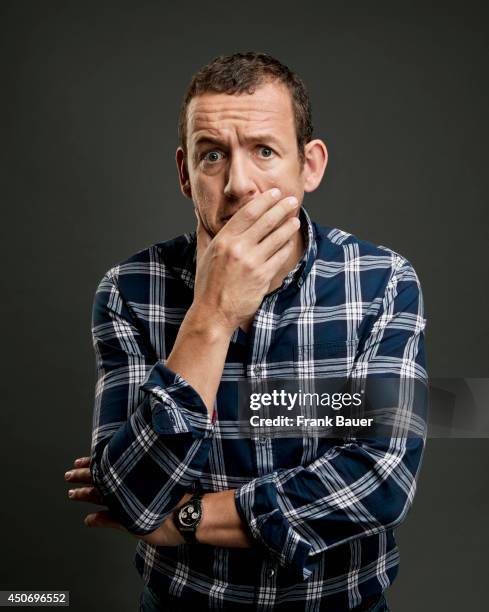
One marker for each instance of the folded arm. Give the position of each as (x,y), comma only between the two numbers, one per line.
(362,486)
(151,428)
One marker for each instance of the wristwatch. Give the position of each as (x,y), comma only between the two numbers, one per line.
(188,517)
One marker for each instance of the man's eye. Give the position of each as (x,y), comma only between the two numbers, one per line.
(266,152)
(212,156)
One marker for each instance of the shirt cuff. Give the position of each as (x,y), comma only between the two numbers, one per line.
(256,503)
(176,407)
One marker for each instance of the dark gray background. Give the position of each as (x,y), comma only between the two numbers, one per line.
(90,95)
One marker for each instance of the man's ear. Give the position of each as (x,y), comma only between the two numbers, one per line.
(315,162)
(183,176)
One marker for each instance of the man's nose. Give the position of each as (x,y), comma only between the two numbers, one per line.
(239,181)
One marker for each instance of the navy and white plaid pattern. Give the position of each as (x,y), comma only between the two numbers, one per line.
(322,512)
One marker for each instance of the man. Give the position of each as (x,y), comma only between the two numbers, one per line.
(259,290)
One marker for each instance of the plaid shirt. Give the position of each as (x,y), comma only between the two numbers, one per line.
(322,513)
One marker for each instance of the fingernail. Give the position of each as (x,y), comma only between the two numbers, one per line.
(292,201)
(78,461)
(67,475)
(71,492)
(275,193)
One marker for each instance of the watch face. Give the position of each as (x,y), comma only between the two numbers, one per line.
(188,515)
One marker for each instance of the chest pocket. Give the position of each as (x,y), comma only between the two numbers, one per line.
(335,358)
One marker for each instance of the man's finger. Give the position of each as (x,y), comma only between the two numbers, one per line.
(103,519)
(86,494)
(82,462)
(252,211)
(275,241)
(80,475)
(273,219)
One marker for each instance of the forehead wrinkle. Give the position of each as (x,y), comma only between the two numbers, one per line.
(234,103)
(224,109)
(215,116)
(222,128)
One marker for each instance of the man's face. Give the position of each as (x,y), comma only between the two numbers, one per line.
(238,147)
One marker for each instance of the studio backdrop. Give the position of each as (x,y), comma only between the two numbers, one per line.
(91,93)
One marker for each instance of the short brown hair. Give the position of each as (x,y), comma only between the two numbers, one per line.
(243,73)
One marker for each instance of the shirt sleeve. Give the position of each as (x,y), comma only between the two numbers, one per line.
(151,430)
(361,486)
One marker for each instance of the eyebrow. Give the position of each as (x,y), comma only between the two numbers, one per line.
(262,137)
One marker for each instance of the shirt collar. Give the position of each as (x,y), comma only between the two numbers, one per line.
(303,266)
(185,266)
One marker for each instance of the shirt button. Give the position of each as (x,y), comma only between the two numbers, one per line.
(262,441)
(271,573)
(257,370)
